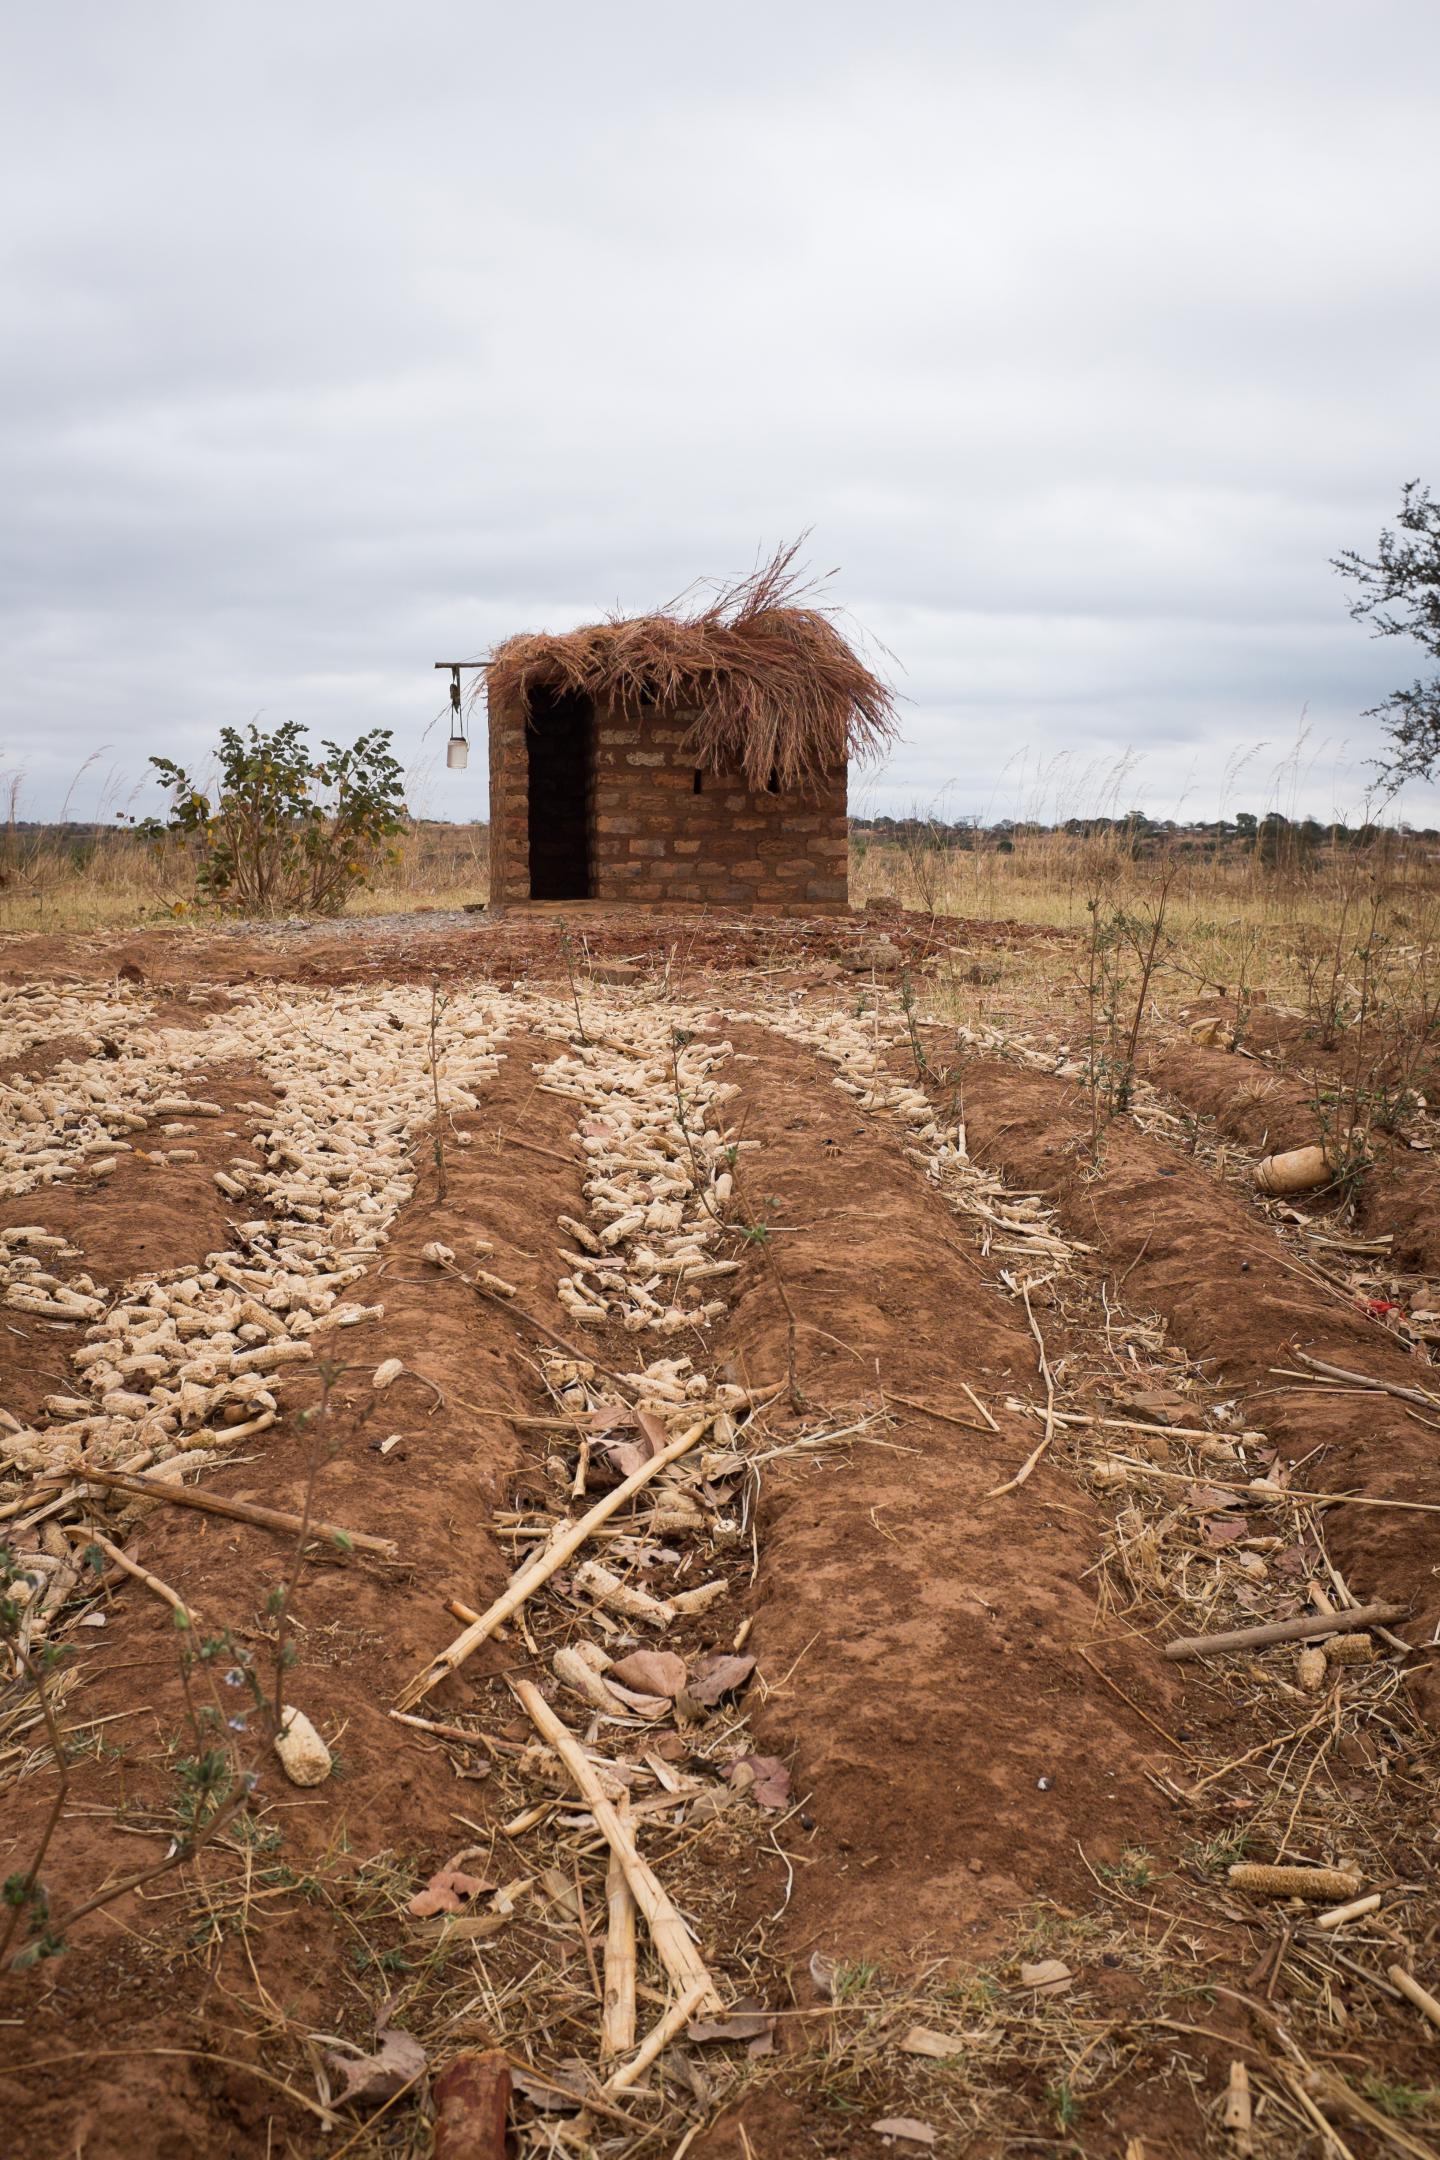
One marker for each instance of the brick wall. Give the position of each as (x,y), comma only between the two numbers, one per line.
(653,839)
(509,806)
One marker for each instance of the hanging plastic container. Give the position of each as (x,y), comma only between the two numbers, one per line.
(457,750)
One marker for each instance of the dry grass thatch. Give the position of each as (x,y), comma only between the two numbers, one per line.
(779,695)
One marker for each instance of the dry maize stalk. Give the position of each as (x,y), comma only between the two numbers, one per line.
(148,1488)
(553,1555)
(617,2022)
(673,1945)
(1410,1987)
(676,2018)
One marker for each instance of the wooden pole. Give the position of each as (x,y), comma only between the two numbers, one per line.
(1013,1484)
(1364,1380)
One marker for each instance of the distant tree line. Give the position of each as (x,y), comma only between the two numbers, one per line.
(1272,836)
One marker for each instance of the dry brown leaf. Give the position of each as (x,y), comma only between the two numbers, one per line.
(923,2040)
(710,1805)
(448,1891)
(644,1706)
(561,2093)
(769,1781)
(397,2062)
(719,1675)
(627,1456)
(1160,1405)
(1205,1497)
(463,1927)
(655,1430)
(908,2127)
(1050,1977)
(747,2021)
(610,1417)
(650,1672)
(560,1890)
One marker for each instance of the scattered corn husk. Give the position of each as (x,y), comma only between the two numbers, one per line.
(1306,1882)
(304,1757)
(1310,1668)
(1300,1170)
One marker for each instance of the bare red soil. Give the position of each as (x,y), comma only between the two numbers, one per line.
(961,1773)
(1191,1249)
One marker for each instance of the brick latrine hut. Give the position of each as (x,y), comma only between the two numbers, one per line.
(700,758)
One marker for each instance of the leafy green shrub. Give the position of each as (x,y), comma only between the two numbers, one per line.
(282,834)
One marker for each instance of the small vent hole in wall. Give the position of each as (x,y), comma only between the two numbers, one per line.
(699,781)
(772,785)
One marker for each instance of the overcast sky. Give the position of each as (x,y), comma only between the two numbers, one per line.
(339,339)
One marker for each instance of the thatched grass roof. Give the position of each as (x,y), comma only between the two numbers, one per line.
(778,693)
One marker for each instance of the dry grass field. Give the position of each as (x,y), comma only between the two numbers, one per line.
(720,1427)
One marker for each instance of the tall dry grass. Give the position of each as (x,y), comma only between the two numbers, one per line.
(72,879)
(1238,921)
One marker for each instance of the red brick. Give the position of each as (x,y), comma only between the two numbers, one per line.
(727,846)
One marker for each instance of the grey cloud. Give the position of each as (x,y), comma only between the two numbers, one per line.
(339,340)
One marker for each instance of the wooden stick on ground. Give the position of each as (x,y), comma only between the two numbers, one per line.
(553,1555)
(979,1406)
(571,1162)
(1237,2115)
(673,1944)
(1340,1915)
(87,1534)
(1276,1631)
(1013,1484)
(658,2038)
(1125,1424)
(1365,1380)
(265,1518)
(946,1417)
(542,1327)
(1409,1986)
(1259,1489)
(617,2024)
(444,1732)
(76,1491)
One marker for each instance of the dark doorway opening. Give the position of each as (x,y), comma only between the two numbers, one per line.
(560,738)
